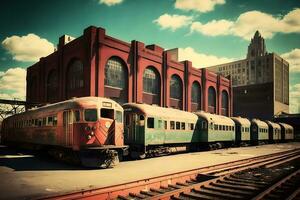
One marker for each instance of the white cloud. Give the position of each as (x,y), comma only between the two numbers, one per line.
(295,98)
(198,5)
(201,60)
(173,22)
(27,48)
(13,83)
(110,2)
(247,23)
(212,28)
(293,57)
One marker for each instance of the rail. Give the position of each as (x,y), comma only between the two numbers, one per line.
(181,182)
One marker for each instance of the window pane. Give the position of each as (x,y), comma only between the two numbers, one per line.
(177,125)
(90,115)
(107,113)
(119,116)
(75,75)
(182,126)
(176,87)
(196,94)
(172,125)
(115,73)
(151,81)
(150,122)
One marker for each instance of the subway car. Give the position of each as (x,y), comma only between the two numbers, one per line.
(274,132)
(259,132)
(242,130)
(152,130)
(88,130)
(287,132)
(215,131)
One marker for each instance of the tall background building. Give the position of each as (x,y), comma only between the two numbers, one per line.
(260,82)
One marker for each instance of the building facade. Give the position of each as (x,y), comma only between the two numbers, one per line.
(96,64)
(260,82)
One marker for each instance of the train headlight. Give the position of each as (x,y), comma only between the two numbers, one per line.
(94,128)
(92,133)
(89,137)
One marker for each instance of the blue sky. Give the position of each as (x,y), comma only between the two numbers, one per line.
(206,31)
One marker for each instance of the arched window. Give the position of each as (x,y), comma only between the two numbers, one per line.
(115,73)
(196,96)
(176,87)
(151,86)
(176,92)
(115,80)
(52,86)
(151,81)
(75,77)
(211,100)
(224,103)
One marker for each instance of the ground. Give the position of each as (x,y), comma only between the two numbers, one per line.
(27,175)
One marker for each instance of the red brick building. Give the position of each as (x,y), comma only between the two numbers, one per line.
(96,64)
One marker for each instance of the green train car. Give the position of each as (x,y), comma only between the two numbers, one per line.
(259,132)
(287,132)
(242,130)
(153,130)
(216,130)
(274,132)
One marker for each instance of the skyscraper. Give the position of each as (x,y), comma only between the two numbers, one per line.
(260,81)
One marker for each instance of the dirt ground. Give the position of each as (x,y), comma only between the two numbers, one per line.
(25,175)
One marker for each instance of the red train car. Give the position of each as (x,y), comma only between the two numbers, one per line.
(86,129)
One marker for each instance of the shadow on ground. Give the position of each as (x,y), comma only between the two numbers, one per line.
(25,160)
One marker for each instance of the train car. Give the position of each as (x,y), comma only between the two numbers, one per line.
(152,130)
(215,131)
(242,130)
(259,132)
(87,128)
(274,132)
(287,132)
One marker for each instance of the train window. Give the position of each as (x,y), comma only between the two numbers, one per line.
(107,113)
(220,127)
(54,120)
(150,122)
(90,115)
(192,126)
(182,125)
(166,125)
(50,121)
(226,128)
(177,125)
(119,116)
(223,127)
(36,122)
(242,129)
(39,122)
(76,116)
(216,127)
(172,125)
(44,121)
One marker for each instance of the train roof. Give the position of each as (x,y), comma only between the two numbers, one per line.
(218,119)
(241,120)
(286,126)
(274,125)
(260,123)
(71,104)
(153,110)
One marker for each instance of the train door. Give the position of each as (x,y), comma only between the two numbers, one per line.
(68,127)
(131,120)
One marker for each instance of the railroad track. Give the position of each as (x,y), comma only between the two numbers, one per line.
(244,179)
